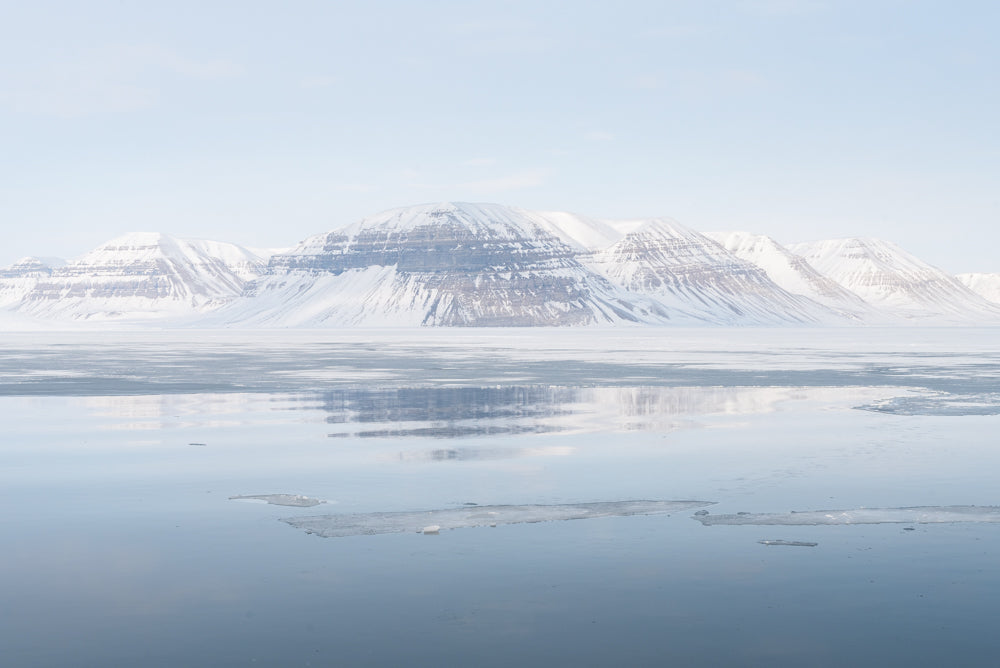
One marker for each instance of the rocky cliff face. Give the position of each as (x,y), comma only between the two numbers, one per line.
(441,264)
(489,265)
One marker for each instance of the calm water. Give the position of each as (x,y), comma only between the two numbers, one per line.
(121,545)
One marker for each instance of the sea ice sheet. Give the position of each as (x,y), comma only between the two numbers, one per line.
(910,515)
(332,526)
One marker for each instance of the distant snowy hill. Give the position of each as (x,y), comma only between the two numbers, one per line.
(20,278)
(460,264)
(986,286)
(138,276)
(895,282)
(794,274)
(687,271)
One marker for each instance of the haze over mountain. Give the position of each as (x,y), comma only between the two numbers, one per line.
(460,264)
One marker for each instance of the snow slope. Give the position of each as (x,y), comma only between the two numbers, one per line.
(986,286)
(20,278)
(687,271)
(895,282)
(794,274)
(450,264)
(143,276)
(461,264)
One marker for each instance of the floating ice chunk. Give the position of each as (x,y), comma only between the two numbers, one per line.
(431,529)
(331,526)
(789,543)
(938,404)
(910,515)
(280,499)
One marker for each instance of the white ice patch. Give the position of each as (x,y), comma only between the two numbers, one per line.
(331,526)
(788,543)
(280,499)
(911,515)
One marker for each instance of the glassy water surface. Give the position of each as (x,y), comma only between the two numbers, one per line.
(123,544)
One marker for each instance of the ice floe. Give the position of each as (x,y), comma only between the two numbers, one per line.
(910,515)
(938,403)
(280,499)
(331,526)
(788,543)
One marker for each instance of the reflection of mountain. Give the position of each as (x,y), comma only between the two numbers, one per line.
(443,403)
(447,412)
(455,412)
(483,411)
(478,453)
(154,412)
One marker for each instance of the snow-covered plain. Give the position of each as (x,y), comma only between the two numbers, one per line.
(122,451)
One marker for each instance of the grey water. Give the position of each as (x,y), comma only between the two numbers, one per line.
(606,497)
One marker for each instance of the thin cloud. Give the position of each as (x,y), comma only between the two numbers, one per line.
(115,79)
(317,81)
(502,36)
(518,181)
(784,7)
(644,82)
(599,135)
(675,31)
(354,187)
(694,83)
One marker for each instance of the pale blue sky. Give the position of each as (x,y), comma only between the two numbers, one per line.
(265,122)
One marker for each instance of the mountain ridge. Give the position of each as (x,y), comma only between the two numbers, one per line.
(480,264)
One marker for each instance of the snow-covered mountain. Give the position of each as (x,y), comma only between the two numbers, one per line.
(986,286)
(895,282)
(689,272)
(794,274)
(451,264)
(458,264)
(138,276)
(20,278)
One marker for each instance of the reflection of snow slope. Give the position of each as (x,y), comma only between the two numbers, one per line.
(491,411)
